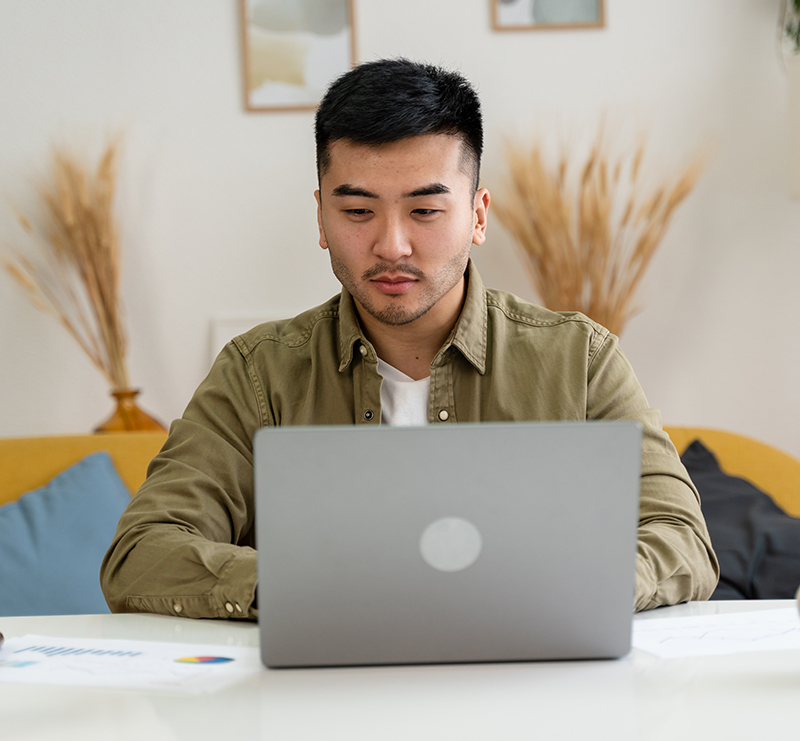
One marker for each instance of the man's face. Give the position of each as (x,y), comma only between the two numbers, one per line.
(399,220)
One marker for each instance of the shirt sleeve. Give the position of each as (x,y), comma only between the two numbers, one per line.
(675,561)
(186,545)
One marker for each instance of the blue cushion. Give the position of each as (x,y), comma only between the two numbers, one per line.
(53,539)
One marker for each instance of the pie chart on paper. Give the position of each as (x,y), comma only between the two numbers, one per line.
(203,660)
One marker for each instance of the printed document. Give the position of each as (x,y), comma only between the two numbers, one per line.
(122,664)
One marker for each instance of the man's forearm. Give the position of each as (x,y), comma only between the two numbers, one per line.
(172,572)
(675,562)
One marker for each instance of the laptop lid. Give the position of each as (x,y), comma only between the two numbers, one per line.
(447,543)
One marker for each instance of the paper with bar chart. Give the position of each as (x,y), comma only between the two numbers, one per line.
(715,635)
(123,664)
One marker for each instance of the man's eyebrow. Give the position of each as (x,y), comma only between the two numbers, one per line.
(434,189)
(352,190)
(346,189)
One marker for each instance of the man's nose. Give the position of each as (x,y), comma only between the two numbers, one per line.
(392,242)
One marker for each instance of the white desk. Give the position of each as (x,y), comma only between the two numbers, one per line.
(745,696)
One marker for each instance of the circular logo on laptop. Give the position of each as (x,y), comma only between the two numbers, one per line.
(450,544)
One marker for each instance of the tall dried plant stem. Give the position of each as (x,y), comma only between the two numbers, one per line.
(76,278)
(588,232)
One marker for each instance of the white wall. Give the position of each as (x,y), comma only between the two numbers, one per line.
(218,213)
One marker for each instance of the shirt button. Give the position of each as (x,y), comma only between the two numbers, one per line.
(238,607)
(369,415)
(229,607)
(362,350)
(178,608)
(443,415)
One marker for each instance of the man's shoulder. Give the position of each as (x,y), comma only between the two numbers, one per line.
(294,332)
(512,308)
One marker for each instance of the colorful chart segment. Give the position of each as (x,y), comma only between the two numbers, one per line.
(203,660)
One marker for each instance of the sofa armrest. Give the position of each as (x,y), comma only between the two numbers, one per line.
(773,471)
(29,462)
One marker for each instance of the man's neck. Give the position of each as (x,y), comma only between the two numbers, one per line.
(406,350)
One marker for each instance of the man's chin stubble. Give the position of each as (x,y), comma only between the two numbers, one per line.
(394,316)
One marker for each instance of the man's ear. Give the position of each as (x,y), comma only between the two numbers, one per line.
(480,214)
(323,242)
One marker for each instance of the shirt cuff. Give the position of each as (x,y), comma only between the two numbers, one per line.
(233,595)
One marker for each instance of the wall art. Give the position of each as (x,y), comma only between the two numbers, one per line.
(293,49)
(535,15)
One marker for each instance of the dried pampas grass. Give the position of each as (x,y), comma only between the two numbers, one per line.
(588,230)
(76,275)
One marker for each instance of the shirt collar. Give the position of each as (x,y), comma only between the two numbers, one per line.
(350,333)
(468,335)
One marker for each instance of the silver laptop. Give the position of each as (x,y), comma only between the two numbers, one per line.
(449,543)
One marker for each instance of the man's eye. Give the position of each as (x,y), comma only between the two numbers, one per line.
(358,211)
(425,211)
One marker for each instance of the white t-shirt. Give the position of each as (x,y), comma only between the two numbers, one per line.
(404,401)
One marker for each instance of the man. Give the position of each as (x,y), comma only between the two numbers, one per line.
(413,338)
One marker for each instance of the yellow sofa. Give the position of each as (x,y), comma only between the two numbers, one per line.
(26,463)
(773,471)
(29,462)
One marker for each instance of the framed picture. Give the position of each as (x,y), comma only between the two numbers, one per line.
(293,49)
(536,15)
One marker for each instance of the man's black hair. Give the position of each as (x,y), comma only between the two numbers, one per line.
(393,99)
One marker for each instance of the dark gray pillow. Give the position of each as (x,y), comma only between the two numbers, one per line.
(756,542)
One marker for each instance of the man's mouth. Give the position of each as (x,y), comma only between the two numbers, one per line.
(394,284)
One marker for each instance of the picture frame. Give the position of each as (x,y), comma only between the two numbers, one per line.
(547,15)
(293,49)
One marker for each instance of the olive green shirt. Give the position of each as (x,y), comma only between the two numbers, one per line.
(185,545)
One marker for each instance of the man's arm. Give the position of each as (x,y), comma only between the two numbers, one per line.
(675,560)
(185,544)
